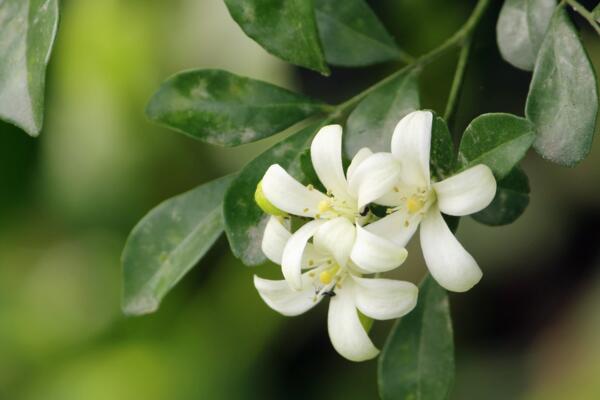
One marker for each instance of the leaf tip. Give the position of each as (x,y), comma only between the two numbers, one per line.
(140,305)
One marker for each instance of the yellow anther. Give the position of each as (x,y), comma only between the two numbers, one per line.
(414,204)
(305,210)
(324,205)
(406,223)
(310,187)
(325,277)
(264,204)
(311,263)
(389,210)
(396,189)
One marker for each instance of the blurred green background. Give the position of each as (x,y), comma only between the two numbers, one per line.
(529,330)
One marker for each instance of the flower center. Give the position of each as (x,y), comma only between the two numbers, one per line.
(333,207)
(327,278)
(417,202)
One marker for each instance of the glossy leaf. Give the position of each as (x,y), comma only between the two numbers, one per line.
(352,35)
(168,242)
(244,220)
(287,29)
(499,141)
(511,200)
(221,108)
(521,28)
(563,96)
(27,31)
(417,361)
(442,156)
(372,122)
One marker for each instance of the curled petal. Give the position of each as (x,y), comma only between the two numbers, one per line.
(336,237)
(358,158)
(447,261)
(289,195)
(398,227)
(293,253)
(466,192)
(274,239)
(326,155)
(385,298)
(374,177)
(345,330)
(373,253)
(280,297)
(411,144)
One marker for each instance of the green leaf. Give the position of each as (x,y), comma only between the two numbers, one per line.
(417,361)
(221,108)
(27,31)
(442,156)
(521,28)
(497,140)
(563,96)
(244,220)
(352,35)
(168,242)
(511,200)
(596,13)
(287,29)
(372,122)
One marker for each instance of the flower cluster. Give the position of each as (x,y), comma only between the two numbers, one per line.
(341,250)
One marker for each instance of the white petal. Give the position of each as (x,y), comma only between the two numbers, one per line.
(467,192)
(274,239)
(336,237)
(280,297)
(374,177)
(385,298)
(374,253)
(398,227)
(289,195)
(411,144)
(292,258)
(358,158)
(448,262)
(345,330)
(326,155)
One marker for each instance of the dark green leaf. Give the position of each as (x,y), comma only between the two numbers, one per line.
(352,35)
(499,141)
(521,28)
(27,31)
(563,96)
(442,157)
(244,220)
(221,108)
(286,29)
(372,122)
(417,361)
(596,13)
(168,242)
(512,198)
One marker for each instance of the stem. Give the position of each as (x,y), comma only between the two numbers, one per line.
(581,10)
(459,75)
(457,39)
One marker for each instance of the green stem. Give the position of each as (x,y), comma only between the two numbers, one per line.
(457,39)
(457,82)
(581,10)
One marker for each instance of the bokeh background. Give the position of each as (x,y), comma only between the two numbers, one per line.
(530,330)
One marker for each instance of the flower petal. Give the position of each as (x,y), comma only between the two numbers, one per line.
(358,158)
(374,253)
(385,298)
(336,237)
(374,177)
(398,227)
(345,330)
(274,239)
(289,195)
(467,192)
(448,262)
(292,258)
(326,155)
(280,297)
(411,144)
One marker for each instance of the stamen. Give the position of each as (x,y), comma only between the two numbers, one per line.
(396,189)
(325,277)
(414,204)
(310,187)
(305,210)
(324,206)
(406,223)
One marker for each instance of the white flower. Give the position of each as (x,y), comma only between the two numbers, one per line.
(329,272)
(348,241)
(401,180)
